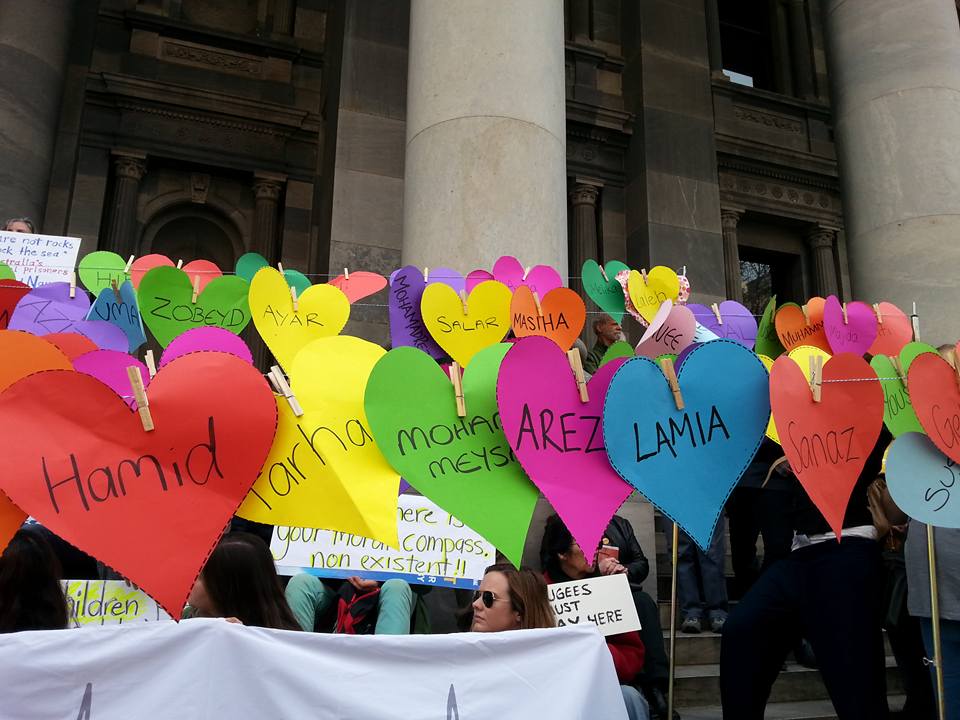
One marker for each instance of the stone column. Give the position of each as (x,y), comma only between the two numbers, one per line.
(283,11)
(714,45)
(580,21)
(729,219)
(822,242)
(266,214)
(122,237)
(583,216)
(34,37)
(895,80)
(783,78)
(485,167)
(800,55)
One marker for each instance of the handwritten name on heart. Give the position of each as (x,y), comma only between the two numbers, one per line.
(923,481)
(560,316)
(686,462)
(559,439)
(768,342)
(462,332)
(898,414)
(100,269)
(794,329)
(602,287)
(935,393)
(853,335)
(403,306)
(50,309)
(893,333)
(647,296)
(670,331)
(736,322)
(827,443)
(215,417)
(120,308)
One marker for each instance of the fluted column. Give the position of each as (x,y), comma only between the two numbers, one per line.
(729,219)
(822,241)
(283,11)
(584,243)
(122,236)
(266,213)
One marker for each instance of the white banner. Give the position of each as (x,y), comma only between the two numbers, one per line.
(435,549)
(212,669)
(108,602)
(39,259)
(604,601)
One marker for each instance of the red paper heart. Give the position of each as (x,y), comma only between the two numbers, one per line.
(935,395)
(71,344)
(10,293)
(215,419)
(827,443)
(360,285)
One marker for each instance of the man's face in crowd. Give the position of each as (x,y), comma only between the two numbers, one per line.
(609,331)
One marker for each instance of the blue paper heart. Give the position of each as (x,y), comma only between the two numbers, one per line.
(923,481)
(686,462)
(122,312)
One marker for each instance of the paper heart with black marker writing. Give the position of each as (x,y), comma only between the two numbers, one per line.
(49,309)
(923,481)
(934,387)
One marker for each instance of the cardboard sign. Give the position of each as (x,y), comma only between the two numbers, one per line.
(604,601)
(462,331)
(662,284)
(855,335)
(559,439)
(794,329)
(166,302)
(768,342)
(108,602)
(686,462)
(203,271)
(102,486)
(39,259)
(935,393)
(670,331)
(560,316)
(121,311)
(893,333)
(464,465)
(403,306)
(50,309)
(321,312)
(923,481)
(602,287)
(325,469)
(361,284)
(540,279)
(435,549)
(206,338)
(100,269)
(250,264)
(827,442)
(736,322)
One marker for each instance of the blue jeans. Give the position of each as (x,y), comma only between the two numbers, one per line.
(637,708)
(310,599)
(697,569)
(950,647)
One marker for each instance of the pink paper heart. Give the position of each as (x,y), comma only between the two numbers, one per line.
(558,439)
(670,332)
(857,334)
(476,277)
(541,279)
(360,285)
(110,368)
(206,338)
(203,269)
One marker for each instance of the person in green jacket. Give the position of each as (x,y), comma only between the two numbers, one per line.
(608,331)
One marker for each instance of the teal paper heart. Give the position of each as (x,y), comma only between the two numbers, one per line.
(249,263)
(606,293)
(923,481)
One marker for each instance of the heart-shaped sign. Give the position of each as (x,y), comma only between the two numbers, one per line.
(935,393)
(100,269)
(203,271)
(768,342)
(206,338)
(801,356)
(827,442)
(475,277)
(71,344)
(214,418)
(249,264)
(735,323)
(795,329)
(686,462)
(853,334)
(619,349)
(922,481)
(460,330)
(647,296)
(403,307)
(602,287)
(360,284)
(166,303)
(110,368)
(120,308)
(465,465)
(321,312)
(560,315)
(324,469)
(559,439)
(898,414)
(447,276)
(11,292)
(893,332)
(670,331)
(771,431)
(539,278)
(50,309)
(6,272)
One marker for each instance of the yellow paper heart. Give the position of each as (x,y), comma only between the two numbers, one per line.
(771,431)
(325,469)
(647,297)
(321,312)
(800,355)
(463,334)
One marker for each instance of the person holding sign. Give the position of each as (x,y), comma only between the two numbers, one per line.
(31,597)
(20,225)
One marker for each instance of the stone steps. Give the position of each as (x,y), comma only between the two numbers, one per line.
(808,710)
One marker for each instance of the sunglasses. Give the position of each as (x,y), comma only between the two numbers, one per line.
(488,597)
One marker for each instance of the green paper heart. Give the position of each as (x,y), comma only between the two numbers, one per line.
(910,351)
(464,465)
(619,349)
(768,342)
(165,298)
(898,414)
(6,273)
(249,263)
(607,294)
(98,269)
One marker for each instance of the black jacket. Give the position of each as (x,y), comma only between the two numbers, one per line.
(620,534)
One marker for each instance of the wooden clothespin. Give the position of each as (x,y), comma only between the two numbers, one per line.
(73,285)
(816,376)
(126,268)
(806,315)
(463,299)
(716,313)
(843,307)
(116,291)
(666,364)
(273,383)
(915,323)
(285,390)
(526,271)
(196,289)
(573,355)
(426,275)
(140,396)
(293,296)
(280,267)
(643,274)
(150,362)
(876,309)
(456,377)
(346,273)
(684,271)
(179,263)
(604,273)
(536,300)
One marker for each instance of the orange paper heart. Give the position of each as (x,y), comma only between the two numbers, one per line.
(794,329)
(560,316)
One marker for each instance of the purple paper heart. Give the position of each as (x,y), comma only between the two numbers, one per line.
(206,338)
(671,330)
(110,368)
(738,324)
(403,307)
(476,277)
(541,279)
(857,334)
(447,277)
(50,309)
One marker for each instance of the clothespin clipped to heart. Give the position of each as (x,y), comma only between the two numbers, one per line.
(915,323)
(526,271)
(116,291)
(670,373)
(716,313)
(643,274)
(273,383)
(456,377)
(179,263)
(293,296)
(150,363)
(426,275)
(843,307)
(876,309)
(126,268)
(140,396)
(73,285)
(280,267)
(604,273)
(196,289)
(573,355)
(346,273)
(463,299)
(284,388)
(536,300)
(816,376)
(806,315)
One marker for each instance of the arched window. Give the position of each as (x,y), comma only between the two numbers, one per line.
(190,232)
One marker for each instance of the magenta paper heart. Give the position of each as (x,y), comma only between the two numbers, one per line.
(205,270)
(558,439)
(669,333)
(476,277)
(541,279)
(110,368)
(854,336)
(738,324)
(49,309)
(206,338)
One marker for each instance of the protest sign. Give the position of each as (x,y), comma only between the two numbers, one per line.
(686,462)
(118,673)
(648,293)
(540,279)
(50,309)
(360,284)
(119,307)
(850,327)
(735,323)
(461,328)
(435,549)
(923,481)
(934,387)
(108,602)
(669,332)
(403,305)
(558,315)
(604,601)
(39,259)
(794,328)
(602,287)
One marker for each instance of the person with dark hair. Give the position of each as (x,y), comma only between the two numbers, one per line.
(20,225)
(608,331)
(31,597)
(240,581)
